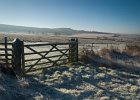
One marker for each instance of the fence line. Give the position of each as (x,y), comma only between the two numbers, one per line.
(5,56)
(118,46)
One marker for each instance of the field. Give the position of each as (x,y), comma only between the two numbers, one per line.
(109,71)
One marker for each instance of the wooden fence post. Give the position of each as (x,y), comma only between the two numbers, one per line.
(76,49)
(6,52)
(23,59)
(17,47)
(73,50)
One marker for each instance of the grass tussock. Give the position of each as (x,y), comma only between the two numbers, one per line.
(86,54)
(133,50)
(126,60)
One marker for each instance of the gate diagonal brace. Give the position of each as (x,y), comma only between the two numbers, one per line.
(64,53)
(55,63)
(43,56)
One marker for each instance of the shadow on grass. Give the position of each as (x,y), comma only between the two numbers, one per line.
(121,55)
(78,80)
(106,91)
(48,92)
(28,88)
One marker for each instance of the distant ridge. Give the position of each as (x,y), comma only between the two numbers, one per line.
(35,30)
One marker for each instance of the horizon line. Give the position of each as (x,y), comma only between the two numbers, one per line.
(66,27)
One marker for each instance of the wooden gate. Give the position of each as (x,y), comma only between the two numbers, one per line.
(46,55)
(30,57)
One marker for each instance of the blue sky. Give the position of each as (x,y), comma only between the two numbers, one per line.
(119,16)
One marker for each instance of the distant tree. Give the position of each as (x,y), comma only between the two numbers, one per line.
(56,33)
(43,32)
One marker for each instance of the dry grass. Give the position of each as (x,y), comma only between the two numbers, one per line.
(85,54)
(133,50)
(113,58)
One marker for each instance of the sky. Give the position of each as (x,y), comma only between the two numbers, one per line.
(117,16)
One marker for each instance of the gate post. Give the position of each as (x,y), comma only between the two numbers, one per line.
(6,52)
(73,50)
(17,47)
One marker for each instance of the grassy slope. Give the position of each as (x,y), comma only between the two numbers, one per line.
(73,82)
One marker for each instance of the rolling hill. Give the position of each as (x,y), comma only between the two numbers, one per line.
(16,29)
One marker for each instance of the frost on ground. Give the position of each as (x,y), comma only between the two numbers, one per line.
(72,82)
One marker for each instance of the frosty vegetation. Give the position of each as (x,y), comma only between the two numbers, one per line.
(106,75)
